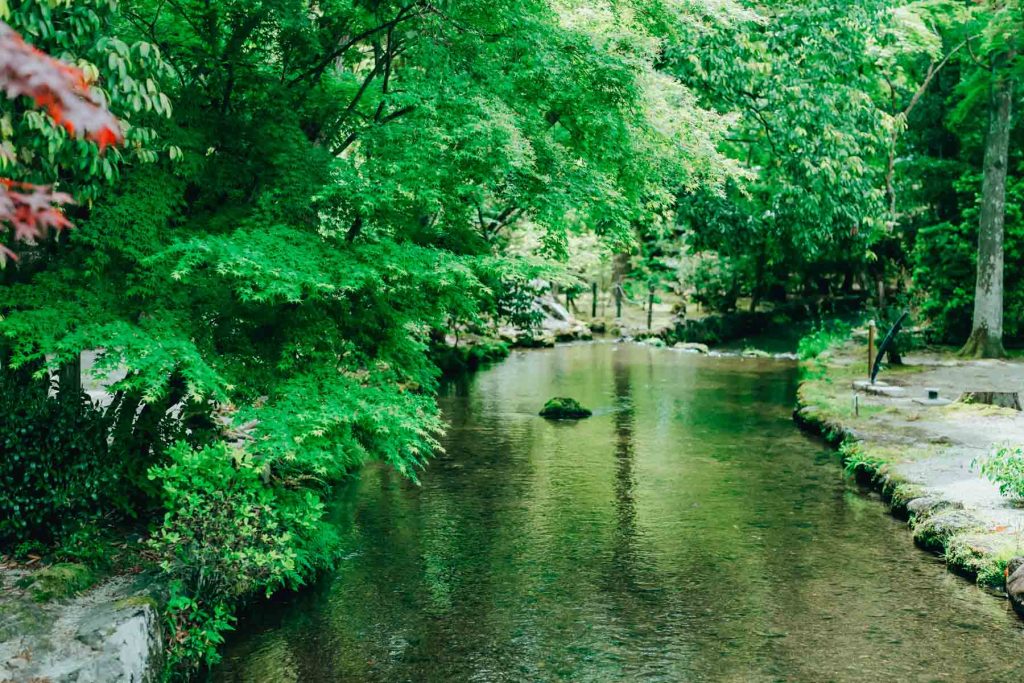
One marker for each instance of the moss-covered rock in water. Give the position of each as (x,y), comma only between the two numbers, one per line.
(935,532)
(58,581)
(1015,584)
(564,409)
(982,556)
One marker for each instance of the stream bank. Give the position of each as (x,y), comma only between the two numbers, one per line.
(918,454)
(685,532)
(55,629)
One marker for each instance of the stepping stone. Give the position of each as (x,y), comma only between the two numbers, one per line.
(879,388)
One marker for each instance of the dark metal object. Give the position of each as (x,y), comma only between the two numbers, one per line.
(933,394)
(650,307)
(593,299)
(886,342)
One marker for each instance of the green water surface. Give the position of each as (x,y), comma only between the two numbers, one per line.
(687,532)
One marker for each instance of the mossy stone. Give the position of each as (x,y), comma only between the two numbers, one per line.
(564,409)
(935,532)
(58,581)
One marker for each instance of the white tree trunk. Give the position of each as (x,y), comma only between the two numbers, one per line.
(986,340)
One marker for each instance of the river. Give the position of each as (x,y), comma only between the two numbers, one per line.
(686,532)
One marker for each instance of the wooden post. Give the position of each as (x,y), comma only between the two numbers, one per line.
(593,299)
(650,306)
(871,346)
(618,300)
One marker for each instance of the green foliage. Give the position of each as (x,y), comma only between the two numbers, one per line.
(88,544)
(196,633)
(858,463)
(822,336)
(227,533)
(1005,468)
(805,83)
(56,470)
(453,360)
(716,283)
(296,219)
(130,72)
(944,261)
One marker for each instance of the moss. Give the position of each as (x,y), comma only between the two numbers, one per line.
(937,531)
(978,409)
(828,389)
(137,601)
(19,619)
(58,581)
(824,406)
(564,409)
(898,493)
(982,556)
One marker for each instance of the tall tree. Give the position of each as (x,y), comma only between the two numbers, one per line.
(986,340)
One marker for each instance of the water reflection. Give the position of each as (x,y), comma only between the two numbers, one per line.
(686,532)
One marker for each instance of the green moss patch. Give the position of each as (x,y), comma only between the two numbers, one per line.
(982,556)
(564,409)
(58,581)
(937,531)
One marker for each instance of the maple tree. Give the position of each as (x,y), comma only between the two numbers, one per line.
(31,211)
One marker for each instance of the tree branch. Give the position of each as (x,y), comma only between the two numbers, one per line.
(404,14)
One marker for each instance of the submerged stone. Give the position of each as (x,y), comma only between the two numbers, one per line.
(692,347)
(564,409)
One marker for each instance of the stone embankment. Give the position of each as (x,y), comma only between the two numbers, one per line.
(50,632)
(919,451)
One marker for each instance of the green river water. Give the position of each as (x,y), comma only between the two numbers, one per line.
(687,532)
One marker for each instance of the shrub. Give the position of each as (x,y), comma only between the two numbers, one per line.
(1005,467)
(55,470)
(857,463)
(821,338)
(197,633)
(716,283)
(227,534)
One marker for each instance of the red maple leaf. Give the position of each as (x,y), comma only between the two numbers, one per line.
(32,211)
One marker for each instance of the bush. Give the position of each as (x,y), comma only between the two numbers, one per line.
(1005,467)
(821,338)
(55,470)
(227,534)
(716,283)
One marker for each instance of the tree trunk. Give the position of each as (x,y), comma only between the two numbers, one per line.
(69,379)
(986,340)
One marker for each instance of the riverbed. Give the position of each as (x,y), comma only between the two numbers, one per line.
(686,532)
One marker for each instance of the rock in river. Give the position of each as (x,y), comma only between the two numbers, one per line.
(1015,583)
(564,409)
